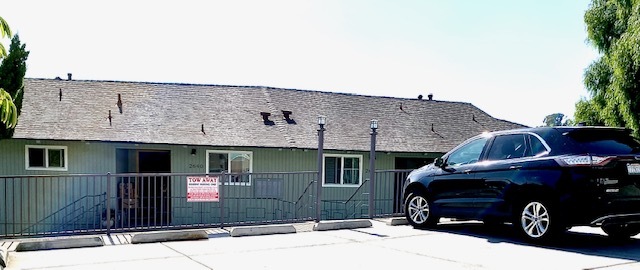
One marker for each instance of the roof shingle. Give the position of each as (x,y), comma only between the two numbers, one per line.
(169,113)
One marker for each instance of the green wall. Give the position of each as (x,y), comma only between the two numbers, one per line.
(78,202)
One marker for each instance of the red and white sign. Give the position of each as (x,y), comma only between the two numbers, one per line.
(202,189)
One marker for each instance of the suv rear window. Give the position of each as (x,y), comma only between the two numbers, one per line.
(605,141)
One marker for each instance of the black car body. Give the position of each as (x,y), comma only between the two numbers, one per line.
(543,180)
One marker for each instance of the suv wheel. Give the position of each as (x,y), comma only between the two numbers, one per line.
(621,231)
(535,222)
(417,209)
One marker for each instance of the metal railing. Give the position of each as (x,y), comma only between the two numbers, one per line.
(104,203)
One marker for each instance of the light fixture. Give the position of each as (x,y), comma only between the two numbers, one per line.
(193,151)
(374,124)
(322,120)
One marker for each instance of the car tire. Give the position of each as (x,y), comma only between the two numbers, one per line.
(620,231)
(419,211)
(535,221)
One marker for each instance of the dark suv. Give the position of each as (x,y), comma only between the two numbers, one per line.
(542,180)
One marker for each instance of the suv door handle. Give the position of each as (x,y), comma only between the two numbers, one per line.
(515,167)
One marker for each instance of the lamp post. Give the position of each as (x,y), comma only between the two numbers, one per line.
(322,120)
(372,168)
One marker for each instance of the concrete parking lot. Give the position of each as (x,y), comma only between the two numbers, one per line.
(453,245)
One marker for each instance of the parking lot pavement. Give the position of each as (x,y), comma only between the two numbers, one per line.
(450,246)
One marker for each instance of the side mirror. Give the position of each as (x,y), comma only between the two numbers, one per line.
(438,162)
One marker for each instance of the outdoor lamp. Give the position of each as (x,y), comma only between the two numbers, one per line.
(374,124)
(322,120)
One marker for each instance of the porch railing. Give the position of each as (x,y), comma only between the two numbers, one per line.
(105,203)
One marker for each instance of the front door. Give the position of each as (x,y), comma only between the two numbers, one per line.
(155,192)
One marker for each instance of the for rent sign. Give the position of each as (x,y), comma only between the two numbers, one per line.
(202,189)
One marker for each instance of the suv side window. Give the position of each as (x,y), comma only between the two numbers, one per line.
(507,147)
(467,154)
(536,146)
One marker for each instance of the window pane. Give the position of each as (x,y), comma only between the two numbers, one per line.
(537,147)
(56,158)
(605,143)
(507,147)
(36,157)
(218,162)
(467,154)
(332,170)
(240,163)
(240,166)
(351,174)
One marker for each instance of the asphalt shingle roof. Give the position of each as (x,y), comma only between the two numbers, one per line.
(170,113)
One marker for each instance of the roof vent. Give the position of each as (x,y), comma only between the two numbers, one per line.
(265,118)
(419,97)
(287,117)
(69,76)
(119,103)
(430,96)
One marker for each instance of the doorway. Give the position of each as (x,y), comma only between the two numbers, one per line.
(404,163)
(144,199)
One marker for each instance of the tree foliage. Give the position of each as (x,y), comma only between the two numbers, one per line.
(12,72)
(5,31)
(555,119)
(613,80)
(8,110)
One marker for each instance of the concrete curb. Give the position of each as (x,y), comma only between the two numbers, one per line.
(154,237)
(398,221)
(342,224)
(3,258)
(262,230)
(60,244)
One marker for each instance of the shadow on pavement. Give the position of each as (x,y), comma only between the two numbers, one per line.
(572,241)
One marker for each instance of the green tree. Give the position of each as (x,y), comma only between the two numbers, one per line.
(8,110)
(613,80)
(12,72)
(554,119)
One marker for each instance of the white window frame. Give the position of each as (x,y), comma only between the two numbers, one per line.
(342,156)
(229,152)
(46,157)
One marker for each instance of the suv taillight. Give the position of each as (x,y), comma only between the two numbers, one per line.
(583,160)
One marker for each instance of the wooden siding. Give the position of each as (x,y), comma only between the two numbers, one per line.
(47,200)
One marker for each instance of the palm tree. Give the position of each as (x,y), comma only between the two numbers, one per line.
(8,110)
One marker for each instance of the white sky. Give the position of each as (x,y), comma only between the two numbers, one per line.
(517,60)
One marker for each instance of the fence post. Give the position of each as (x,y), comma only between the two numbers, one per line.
(221,196)
(108,204)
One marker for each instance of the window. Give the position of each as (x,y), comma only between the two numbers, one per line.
(236,163)
(342,170)
(507,147)
(468,153)
(40,157)
(537,147)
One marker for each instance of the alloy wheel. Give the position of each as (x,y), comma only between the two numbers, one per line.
(419,209)
(535,220)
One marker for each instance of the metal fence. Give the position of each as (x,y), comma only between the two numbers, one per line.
(105,203)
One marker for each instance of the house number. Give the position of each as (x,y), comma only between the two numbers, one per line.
(196,166)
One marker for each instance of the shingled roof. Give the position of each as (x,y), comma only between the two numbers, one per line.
(170,113)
